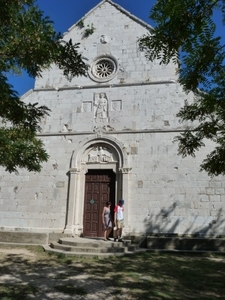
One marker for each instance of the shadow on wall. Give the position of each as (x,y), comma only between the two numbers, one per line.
(166,223)
(163,232)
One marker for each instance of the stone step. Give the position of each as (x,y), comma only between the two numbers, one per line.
(98,243)
(132,247)
(88,254)
(81,248)
(90,247)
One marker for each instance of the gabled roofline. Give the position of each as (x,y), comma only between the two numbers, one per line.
(120,8)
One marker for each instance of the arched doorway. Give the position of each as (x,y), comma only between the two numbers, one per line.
(103,157)
(99,188)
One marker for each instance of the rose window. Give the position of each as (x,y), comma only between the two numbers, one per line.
(103,69)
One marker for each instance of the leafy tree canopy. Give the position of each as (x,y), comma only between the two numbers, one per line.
(186,34)
(28,42)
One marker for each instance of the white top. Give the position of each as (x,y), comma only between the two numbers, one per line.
(119,212)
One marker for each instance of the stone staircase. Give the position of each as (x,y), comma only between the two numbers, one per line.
(91,247)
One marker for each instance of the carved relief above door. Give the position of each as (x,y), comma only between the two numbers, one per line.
(101,155)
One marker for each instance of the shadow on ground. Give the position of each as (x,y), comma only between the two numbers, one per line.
(141,276)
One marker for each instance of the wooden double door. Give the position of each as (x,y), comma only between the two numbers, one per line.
(99,188)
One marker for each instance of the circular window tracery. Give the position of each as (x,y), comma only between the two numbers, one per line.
(103,69)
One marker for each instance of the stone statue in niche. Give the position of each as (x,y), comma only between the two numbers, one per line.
(101,106)
(100,155)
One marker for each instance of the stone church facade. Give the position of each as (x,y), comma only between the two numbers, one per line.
(110,136)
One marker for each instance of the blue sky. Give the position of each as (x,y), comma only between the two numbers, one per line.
(64,13)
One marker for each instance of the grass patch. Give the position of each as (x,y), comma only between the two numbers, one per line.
(71,290)
(146,275)
(166,276)
(17,291)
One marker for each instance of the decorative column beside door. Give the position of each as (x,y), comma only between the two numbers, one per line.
(71,207)
(125,194)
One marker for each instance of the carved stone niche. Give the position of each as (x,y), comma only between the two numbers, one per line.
(104,39)
(100,106)
(100,153)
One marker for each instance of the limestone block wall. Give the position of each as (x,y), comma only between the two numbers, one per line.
(137,107)
(137,111)
(33,201)
(121,33)
(166,194)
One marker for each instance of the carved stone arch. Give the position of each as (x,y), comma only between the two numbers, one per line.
(96,153)
(110,141)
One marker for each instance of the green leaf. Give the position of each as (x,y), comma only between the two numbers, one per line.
(185,34)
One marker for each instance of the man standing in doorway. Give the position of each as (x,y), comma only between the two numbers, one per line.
(119,220)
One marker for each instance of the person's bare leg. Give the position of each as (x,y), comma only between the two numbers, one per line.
(120,234)
(116,235)
(108,232)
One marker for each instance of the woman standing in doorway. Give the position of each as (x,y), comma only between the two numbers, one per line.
(106,220)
